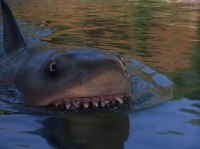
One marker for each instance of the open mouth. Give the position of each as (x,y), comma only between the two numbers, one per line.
(89,102)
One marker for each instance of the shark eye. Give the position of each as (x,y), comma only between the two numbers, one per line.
(52,67)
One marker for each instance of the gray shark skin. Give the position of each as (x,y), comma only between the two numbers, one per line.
(74,77)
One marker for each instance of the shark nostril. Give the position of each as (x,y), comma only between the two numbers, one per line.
(123,65)
(121,60)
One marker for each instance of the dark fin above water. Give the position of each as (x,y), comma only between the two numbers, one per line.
(13,39)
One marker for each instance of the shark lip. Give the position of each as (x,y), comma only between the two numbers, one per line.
(87,102)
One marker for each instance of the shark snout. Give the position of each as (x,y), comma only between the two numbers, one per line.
(101,78)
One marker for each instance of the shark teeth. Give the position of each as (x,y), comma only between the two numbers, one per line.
(67,106)
(76,103)
(86,105)
(119,99)
(103,104)
(105,101)
(95,102)
(57,104)
(113,101)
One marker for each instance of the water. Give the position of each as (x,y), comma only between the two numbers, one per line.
(164,35)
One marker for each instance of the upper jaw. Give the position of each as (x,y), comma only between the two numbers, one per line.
(86,102)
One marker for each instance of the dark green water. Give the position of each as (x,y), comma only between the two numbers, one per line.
(164,35)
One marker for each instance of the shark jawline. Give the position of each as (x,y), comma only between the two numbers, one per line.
(86,102)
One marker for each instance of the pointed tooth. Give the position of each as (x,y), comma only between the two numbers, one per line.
(119,99)
(103,104)
(113,102)
(95,103)
(57,104)
(67,106)
(105,101)
(76,103)
(86,105)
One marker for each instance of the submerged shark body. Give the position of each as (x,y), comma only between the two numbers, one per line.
(62,78)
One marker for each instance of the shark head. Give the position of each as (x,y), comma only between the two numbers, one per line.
(62,78)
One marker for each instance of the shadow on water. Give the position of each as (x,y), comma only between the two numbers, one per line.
(87,131)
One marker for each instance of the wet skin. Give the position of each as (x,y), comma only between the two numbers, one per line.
(62,78)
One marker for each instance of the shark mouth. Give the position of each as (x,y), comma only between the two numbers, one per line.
(87,102)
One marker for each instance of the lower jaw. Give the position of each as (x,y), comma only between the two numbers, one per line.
(89,102)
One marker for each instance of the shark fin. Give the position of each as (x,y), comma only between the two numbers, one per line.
(13,39)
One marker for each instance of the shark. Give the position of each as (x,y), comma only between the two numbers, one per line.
(48,76)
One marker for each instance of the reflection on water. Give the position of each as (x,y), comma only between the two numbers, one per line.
(87,131)
(165,127)
(188,80)
(171,128)
(149,31)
